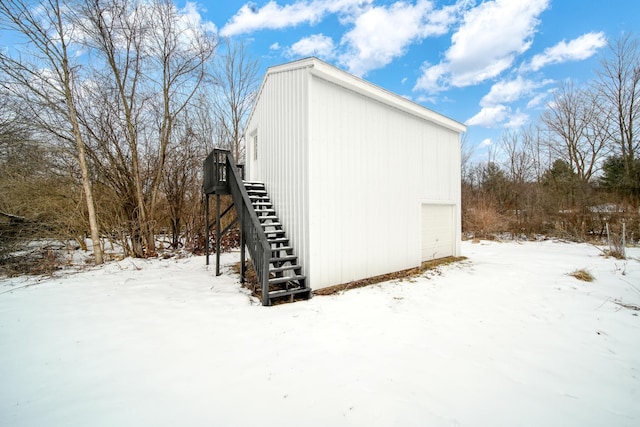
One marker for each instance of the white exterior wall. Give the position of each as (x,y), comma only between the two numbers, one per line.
(279,119)
(348,167)
(371,168)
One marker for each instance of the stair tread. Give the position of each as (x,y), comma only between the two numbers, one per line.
(282,248)
(272,224)
(283,258)
(280,280)
(284,268)
(286,292)
(279,240)
(264,218)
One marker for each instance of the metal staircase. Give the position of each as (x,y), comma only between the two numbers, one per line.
(272,256)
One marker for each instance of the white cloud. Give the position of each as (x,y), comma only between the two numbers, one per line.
(517,120)
(431,78)
(577,49)
(269,16)
(439,21)
(511,90)
(537,100)
(190,17)
(498,116)
(315,45)
(191,28)
(489,39)
(273,16)
(489,116)
(275,46)
(378,34)
(382,33)
(422,99)
(485,143)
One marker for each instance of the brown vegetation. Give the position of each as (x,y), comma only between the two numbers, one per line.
(583,275)
(397,275)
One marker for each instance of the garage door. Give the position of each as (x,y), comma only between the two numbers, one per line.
(438,231)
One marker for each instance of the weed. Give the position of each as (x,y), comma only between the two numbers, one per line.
(583,275)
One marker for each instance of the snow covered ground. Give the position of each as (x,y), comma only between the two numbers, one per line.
(504,338)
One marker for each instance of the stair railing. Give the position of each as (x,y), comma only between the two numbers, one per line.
(215,179)
(226,174)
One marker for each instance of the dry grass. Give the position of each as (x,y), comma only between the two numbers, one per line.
(615,252)
(483,220)
(583,275)
(251,280)
(35,263)
(398,275)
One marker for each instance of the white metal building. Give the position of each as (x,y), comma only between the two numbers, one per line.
(365,182)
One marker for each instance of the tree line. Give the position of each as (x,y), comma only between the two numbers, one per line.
(108,109)
(574,172)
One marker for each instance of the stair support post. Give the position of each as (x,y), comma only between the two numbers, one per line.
(207,227)
(243,242)
(218,235)
(265,280)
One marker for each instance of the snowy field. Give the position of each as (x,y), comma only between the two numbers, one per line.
(505,338)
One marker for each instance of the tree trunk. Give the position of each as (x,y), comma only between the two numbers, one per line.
(82,160)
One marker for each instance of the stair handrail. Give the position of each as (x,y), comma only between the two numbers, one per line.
(254,235)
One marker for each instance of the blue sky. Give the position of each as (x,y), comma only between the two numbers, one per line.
(489,64)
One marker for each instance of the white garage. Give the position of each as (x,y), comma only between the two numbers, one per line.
(364,181)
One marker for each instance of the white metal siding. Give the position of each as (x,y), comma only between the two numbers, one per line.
(348,167)
(370,166)
(279,120)
(438,231)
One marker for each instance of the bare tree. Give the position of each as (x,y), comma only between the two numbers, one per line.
(236,77)
(466,153)
(47,81)
(574,117)
(180,182)
(115,30)
(619,86)
(183,55)
(149,65)
(517,145)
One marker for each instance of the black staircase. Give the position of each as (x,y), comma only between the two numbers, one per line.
(277,269)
